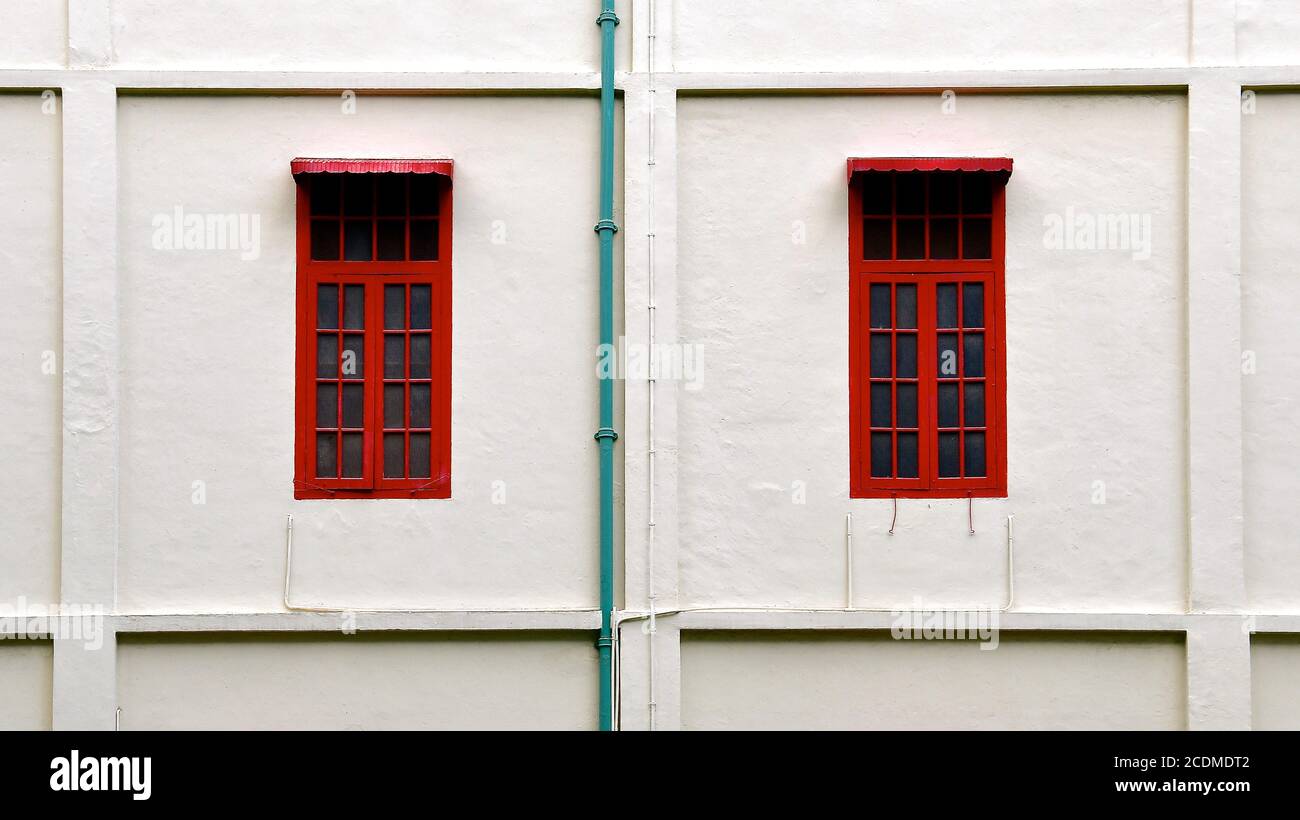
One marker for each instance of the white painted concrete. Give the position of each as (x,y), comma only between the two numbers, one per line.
(1275,675)
(25,678)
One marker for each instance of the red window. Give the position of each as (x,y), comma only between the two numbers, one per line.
(927,381)
(374,329)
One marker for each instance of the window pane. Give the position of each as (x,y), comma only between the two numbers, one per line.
(419,355)
(948,404)
(906,405)
(972,305)
(975,454)
(424,194)
(391,190)
(911,239)
(880,306)
(906,346)
(421,310)
(910,193)
(976,194)
(327,407)
(906,308)
(908,462)
(974,364)
(354,307)
(394,406)
(327,355)
(880,354)
(424,239)
(326,455)
(394,455)
(394,356)
(974,404)
(882,455)
(356,241)
(394,307)
(943,192)
(419,405)
(946,298)
(391,240)
(324,195)
(325,239)
(943,239)
(877,193)
(947,355)
(876,240)
(327,306)
(880,405)
(977,238)
(353,358)
(419,455)
(354,405)
(358,194)
(949,461)
(352,455)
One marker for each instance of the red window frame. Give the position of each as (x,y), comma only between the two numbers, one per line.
(925,275)
(373,276)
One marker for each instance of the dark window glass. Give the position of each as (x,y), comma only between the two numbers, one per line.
(354,307)
(419,405)
(877,242)
(352,455)
(391,192)
(394,356)
(327,355)
(910,193)
(880,306)
(424,195)
(419,455)
(911,239)
(946,305)
(907,405)
(880,355)
(327,464)
(324,195)
(327,407)
(394,455)
(976,194)
(356,241)
(974,363)
(877,193)
(327,306)
(394,307)
(906,308)
(882,455)
(974,404)
(421,309)
(949,458)
(977,238)
(394,406)
(948,364)
(391,240)
(419,355)
(943,192)
(948,404)
(325,240)
(943,239)
(354,405)
(354,360)
(880,405)
(975,454)
(908,463)
(424,240)
(906,344)
(972,305)
(358,195)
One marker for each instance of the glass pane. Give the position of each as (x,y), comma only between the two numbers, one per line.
(421,309)
(394,356)
(946,307)
(352,455)
(419,355)
(906,307)
(391,240)
(880,306)
(420,405)
(877,193)
(394,455)
(880,355)
(943,192)
(326,455)
(976,194)
(358,194)
(947,355)
(394,406)
(906,405)
(353,358)
(419,455)
(906,351)
(882,456)
(911,239)
(977,238)
(880,405)
(876,239)
(391,195)
(394,307)
(324,195)
(974,404)
(327,306)
(948,404)
(908,462)
(424,194)
(943,239)
(356,241)
(424,239)
(354,307)
(975,454)
(354,405)
(972,305)
(949,460)
(910,193)
(327,405)
(974,363)
(327,355)
(325,239)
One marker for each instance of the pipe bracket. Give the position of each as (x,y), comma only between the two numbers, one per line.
(606,432)
(606,225)
(607,15)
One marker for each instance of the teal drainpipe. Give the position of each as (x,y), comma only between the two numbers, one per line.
(606,436)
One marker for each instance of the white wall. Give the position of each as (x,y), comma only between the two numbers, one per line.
(1275,682)
(26,678)
(1096,362)
(1268,32)
(35,33)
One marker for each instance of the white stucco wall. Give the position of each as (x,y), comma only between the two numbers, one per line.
(207,362)
(1096,361)
(1268,32)
(34,34)
(26,678)
(764,680)
(1275,682)
(365,681)
(30,316)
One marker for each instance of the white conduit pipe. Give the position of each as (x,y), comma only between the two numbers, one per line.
(650,397)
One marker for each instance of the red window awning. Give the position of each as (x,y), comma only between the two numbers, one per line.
(303,165)
(996,165)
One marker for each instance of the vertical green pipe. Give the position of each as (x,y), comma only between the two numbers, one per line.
(606,436)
